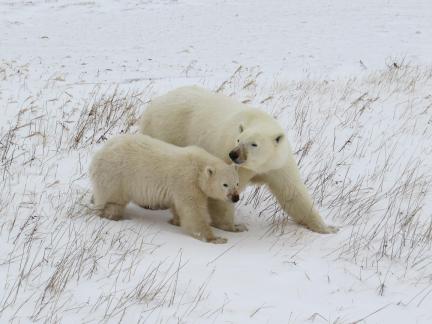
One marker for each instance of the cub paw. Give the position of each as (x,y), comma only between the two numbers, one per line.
(240,228)
(327,229)
(330,229)
(174,222)
(231,227)
(113,217)
(217,240)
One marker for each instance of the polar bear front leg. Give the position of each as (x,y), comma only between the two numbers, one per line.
(222,216)
(293,197)
(195,220)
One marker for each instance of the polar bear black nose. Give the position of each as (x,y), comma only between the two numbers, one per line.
(235,198)
(233,155)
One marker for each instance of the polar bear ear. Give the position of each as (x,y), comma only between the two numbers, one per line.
(209,171)
(278,138)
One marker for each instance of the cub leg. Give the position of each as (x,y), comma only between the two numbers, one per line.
(194,219)
(175,220)
(222,216)
(108,200)
(113,211)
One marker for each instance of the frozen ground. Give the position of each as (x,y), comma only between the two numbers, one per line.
(350,82)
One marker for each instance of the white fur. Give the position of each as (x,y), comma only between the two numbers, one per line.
(220,124)
(149,172)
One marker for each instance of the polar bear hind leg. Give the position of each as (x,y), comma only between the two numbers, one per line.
(175,220)
(113,211)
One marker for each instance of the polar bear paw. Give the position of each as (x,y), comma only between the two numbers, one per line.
(113,212)
(174,221)
(326,229)
(230,227)
(240,228)
(217,240)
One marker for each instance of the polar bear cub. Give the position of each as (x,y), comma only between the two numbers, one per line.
(149,172)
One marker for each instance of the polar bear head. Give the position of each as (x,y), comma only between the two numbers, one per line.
(219,180)
(260,145)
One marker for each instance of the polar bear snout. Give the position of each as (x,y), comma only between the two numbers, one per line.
(234,155)
(234,197)
(238,155)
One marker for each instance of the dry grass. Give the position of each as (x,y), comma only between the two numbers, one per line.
(53,239)
(362,144)
(102,115)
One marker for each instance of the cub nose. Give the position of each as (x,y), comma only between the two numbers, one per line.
(235,198)
(233,155)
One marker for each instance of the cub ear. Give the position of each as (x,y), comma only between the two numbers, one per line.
(209,171)
(241,128)
(278,138)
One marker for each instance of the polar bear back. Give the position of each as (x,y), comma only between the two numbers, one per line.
(142,169)
(195,116)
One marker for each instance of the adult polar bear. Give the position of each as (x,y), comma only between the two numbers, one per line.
(232,130)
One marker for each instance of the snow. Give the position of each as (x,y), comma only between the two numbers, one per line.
(351,84)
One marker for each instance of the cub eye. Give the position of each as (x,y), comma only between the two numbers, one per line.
(254,144)
(279,138)
(225,185)
(237,183)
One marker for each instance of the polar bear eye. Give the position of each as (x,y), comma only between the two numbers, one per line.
(241,128)
(225,185)
(279,138)
(254,144)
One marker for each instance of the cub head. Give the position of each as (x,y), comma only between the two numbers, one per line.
(260,148)
(220,181)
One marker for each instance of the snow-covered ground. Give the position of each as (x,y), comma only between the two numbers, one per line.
(351,83)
